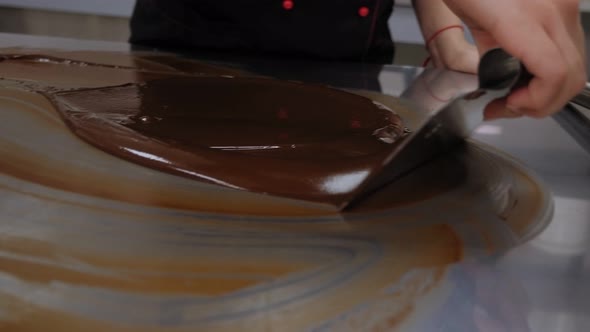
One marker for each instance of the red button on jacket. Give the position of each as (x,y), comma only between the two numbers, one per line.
(288,4)
(363,11)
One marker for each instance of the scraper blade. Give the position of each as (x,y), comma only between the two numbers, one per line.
(499,73)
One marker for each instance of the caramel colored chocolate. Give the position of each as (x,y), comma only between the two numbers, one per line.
(90,242)
(288,139)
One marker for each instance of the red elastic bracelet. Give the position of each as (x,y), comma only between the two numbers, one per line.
(438,32)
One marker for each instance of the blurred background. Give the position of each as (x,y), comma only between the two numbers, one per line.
(109,19)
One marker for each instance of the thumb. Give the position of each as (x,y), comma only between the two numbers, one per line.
(469,60)
(483,40)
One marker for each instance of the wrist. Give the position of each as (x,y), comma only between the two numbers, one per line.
(446,43)
(447,35)
(449,49)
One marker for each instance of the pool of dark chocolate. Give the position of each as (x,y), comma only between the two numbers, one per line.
(289,139)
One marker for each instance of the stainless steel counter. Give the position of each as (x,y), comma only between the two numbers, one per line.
(541,285)
(552,270)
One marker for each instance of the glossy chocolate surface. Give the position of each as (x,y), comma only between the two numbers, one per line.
(262,135)
(289,139)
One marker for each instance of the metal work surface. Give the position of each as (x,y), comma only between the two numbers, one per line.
(499,240)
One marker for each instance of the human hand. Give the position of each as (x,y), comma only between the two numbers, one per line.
(444,37)
(435,88)
(450,50)
(546,35)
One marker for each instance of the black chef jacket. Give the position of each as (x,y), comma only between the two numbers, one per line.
(346,30)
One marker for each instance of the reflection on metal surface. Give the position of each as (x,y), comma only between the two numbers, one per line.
(91,242)
(571,238)
(489,130)
(562,322)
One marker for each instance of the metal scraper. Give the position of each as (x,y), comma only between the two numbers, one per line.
(499,73)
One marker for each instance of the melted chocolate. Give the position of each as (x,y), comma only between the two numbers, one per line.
(156,264)
(144,63)
(56,70)
(288,139)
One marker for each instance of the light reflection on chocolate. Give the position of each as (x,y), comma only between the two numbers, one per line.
(268,136)
(261,135)
(89,241)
